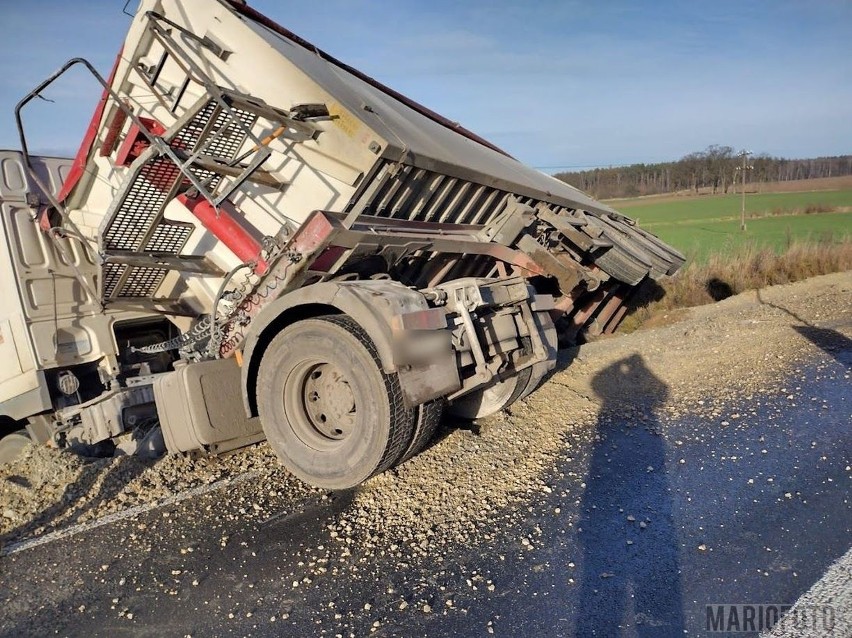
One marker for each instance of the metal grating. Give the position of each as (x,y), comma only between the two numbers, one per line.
(169,237)
(138,225)
(420,195)
(187,138)
(221,138)
(111,274)
(209,178)
(142,205)
(143,282)
(229,135)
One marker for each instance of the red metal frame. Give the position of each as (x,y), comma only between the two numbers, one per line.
(223,224)
(78,167)
(135,142)
(309,241)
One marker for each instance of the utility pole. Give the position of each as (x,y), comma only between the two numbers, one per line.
(745,166)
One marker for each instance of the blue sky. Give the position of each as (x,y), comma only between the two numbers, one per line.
(557,84)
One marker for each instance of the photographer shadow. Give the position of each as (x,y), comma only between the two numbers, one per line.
(630,571)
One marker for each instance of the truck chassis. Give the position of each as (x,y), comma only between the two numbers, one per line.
(267,243)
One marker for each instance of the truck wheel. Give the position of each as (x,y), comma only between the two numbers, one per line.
(425,423)
(331,414)
(492,398)
(621,265)
(12,445)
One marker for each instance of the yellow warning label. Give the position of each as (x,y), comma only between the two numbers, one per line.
(343,119)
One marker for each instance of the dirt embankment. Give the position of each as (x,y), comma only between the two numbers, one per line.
(737,347)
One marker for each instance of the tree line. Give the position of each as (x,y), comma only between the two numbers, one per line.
(714,169)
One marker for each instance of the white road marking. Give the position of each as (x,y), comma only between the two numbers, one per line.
(824,610)
(73,530)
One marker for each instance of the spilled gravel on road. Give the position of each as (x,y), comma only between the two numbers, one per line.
(732,350)
(457,489)
(48,488)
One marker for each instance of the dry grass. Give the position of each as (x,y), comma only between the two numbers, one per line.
(842,182)
(810,209)
(724,275)
(797,185)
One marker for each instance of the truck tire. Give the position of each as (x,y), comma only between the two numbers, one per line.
(426,421)
(622,266)
(622,260)
(329,411)
(492,398)
(650,253)
(12,445)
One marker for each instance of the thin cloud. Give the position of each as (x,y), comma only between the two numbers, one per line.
(555,82)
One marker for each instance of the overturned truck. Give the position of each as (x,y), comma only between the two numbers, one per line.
(256,240)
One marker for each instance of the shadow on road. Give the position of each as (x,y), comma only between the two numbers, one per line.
(829,341)
(832,342)
(630,571)
(99,482)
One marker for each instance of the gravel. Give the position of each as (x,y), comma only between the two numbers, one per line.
(465,482)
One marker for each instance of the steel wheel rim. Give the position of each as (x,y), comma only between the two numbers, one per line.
(320,404)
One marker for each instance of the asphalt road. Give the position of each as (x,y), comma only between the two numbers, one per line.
(644,524)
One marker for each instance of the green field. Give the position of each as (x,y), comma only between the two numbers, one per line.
(700,226)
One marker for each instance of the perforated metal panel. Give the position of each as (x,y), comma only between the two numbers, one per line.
(143,283)
(222,141)
(137,222)
(169,236)
(142,205)
(229,135)
(111,275)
